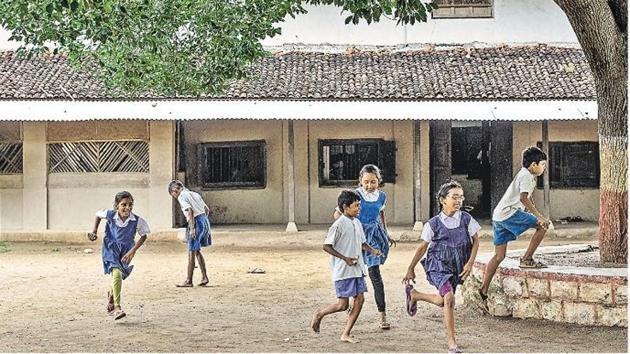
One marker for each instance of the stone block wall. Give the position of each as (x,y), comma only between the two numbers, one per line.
(580,296)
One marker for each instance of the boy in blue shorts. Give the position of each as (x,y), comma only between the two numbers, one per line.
(510,219)
(345,242)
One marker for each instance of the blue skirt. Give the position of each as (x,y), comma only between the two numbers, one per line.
(112,253)
(377,238)
(202,231)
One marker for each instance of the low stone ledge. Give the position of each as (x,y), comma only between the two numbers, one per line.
(580,295)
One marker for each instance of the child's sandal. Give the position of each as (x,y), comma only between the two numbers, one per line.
(110,303)
(531,263)
(119,313)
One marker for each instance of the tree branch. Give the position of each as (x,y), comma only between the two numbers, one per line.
(619,9)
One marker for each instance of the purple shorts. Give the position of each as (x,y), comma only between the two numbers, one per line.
(446,288)
(350,287)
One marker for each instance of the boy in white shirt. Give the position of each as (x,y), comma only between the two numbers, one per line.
(510,219)
(344,242)
(198,231)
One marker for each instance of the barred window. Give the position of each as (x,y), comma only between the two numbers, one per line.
(98,156)
(10,158)
(463,9)
(341,160)
(238,164)
(572,165)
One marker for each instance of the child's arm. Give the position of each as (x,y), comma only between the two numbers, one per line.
(389,240)
(336,214)
(532,208)
(333,252)
(473,254)
(373,251)
(207,210)
(411,274)
(92,235)
(129,255)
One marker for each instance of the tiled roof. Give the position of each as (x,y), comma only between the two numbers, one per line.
(458,73)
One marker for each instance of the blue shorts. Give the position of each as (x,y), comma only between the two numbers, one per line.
(512,227)
(350,287)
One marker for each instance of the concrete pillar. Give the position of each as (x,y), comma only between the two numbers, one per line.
(161,167)
(545,148)
(417,177)
(35,174)
(425,172)
(291,226)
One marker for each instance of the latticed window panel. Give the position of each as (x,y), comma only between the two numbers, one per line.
(10,158)
(99,156)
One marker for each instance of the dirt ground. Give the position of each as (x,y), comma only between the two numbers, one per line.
(54,297)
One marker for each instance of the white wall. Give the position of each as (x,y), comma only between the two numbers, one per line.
(515,21)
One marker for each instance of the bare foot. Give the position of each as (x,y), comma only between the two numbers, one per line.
(349,339)
(316,321)
(204,282)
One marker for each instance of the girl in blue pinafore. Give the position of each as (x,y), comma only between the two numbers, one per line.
(372,218)
(119,247)
(452,241)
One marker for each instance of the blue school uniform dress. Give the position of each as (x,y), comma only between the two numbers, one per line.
(202,233)
(117,242)
(448,252)
(370,217)
(193,201)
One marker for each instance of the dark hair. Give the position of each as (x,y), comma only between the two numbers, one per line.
(120,196)
(370,169)
(346,198)
(533,154)
(445,189)
(175,183)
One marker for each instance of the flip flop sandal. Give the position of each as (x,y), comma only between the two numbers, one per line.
(455,350)
(385,326)
(531,263)
(411,308)
(256,271)
(118,314)
(184,285)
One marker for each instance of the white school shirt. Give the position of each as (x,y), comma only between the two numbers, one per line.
(524,182)
(346,237)
(142,227)
(451,222)
(191,200)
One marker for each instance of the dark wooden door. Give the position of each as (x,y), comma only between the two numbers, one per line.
(440,151)
(500,160)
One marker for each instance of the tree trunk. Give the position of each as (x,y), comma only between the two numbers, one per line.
(601,29)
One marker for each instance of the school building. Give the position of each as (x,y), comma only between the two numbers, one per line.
(276,149)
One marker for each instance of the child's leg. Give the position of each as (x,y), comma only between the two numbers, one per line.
(202,266)
(116,286)
(357,305)
(340,305)
(434,299)
(379,290)
(189,273)
(535,242)
(449,318)
(491,268)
